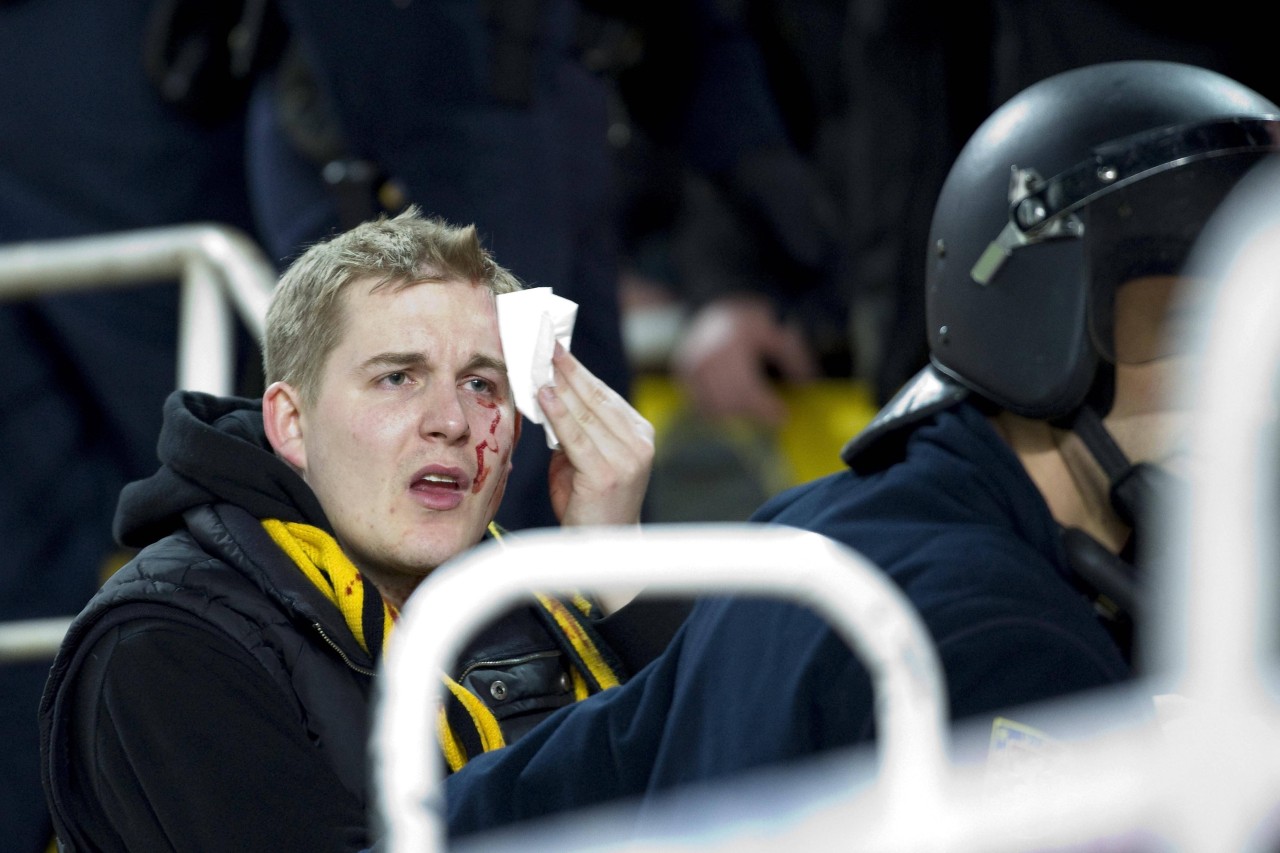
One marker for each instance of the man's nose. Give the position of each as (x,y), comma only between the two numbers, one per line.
(443,416)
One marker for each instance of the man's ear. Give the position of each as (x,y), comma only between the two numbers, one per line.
(283,421)
(519,420)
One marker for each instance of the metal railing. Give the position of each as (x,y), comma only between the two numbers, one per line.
(1204,781)
(868,610)
(217,266)
(222,273)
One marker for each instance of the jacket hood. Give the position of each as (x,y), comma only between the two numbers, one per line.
(212,450)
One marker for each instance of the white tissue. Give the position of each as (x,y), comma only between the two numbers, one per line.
(530,323)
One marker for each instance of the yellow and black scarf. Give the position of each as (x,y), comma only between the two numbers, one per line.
(323,562)
(465,725)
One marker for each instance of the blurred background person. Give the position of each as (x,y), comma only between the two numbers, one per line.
(799,258)
(793,256)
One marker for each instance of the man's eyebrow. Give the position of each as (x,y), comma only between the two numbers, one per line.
(487,361)
(417,359)
(395,359)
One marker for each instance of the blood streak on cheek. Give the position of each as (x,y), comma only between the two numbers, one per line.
(482,473)
(482,470)
(489,444)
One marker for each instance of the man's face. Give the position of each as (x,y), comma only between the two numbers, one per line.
(408,441)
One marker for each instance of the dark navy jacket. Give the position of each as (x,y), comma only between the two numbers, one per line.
(747,683)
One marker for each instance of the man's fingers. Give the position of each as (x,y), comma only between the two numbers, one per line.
(607,445)
(599,413)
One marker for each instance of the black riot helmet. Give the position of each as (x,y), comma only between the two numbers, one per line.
(1083,181)
(1080,184)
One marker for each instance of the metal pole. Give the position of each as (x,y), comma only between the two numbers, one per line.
(31,639)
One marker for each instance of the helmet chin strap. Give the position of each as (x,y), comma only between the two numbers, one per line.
(1134,490)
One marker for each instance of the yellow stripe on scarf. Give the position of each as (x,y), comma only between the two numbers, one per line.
(600,671)
(486,723)
(321,559)
(580,688)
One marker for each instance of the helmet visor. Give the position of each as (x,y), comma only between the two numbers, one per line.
(1137,240)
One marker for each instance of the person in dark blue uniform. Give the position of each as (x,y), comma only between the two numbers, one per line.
(1004,490)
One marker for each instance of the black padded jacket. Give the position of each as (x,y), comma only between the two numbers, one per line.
(209,696)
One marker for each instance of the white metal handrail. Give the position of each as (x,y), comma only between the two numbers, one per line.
(218,267)
(216,264)
(861,603)
(31,639)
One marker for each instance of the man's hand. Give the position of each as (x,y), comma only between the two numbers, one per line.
(600,473)
(722,360)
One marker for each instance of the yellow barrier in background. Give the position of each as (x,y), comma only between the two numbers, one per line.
(721,470)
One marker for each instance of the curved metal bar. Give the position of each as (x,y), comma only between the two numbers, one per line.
(861,603)
(148,255)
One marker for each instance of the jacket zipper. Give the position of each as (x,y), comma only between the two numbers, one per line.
(507,662)
(363,670)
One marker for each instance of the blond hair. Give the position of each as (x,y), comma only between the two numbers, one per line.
(305,320)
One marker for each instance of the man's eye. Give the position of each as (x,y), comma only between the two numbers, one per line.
(479,385)
(397,378)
